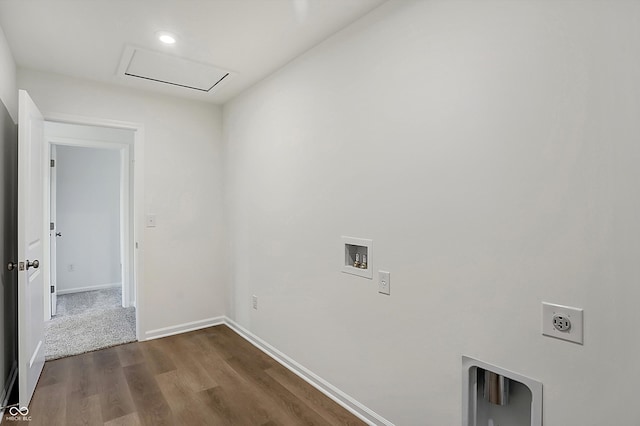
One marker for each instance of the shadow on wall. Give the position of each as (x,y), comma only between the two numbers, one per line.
(8,251)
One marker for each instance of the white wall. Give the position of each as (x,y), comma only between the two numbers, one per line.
(183,257)
(8,88)
(88,217)
(490,150)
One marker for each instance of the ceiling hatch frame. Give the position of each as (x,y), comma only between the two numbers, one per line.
(135,59)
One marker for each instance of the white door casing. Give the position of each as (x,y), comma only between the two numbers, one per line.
(133,193)
(126,211)
(30,247)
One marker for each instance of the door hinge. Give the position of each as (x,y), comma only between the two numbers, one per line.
(52,289)
(53,163)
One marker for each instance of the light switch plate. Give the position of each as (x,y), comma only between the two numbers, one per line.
(384,282)
(151,221)
(562,322)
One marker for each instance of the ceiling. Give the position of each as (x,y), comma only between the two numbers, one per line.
(249,38)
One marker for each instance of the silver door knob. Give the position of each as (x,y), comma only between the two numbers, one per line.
(34,264)
(11,266)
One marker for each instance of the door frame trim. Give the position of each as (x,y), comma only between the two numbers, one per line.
(125,214)
(136,198)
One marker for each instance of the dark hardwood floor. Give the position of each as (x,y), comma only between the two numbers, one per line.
(206,377)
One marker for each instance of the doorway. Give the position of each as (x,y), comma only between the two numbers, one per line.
(92,294)
(32,260)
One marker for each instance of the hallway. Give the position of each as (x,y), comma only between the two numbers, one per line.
(88,321)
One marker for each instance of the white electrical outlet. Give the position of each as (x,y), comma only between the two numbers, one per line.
(562,322)
(384,282)
(254,301)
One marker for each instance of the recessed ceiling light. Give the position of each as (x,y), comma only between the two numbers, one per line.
(166,38)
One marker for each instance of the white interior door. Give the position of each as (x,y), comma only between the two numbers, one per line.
(53,233)
(30,247)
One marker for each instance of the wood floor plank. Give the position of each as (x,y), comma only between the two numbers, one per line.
(206,377)
(209,352)
(151,406)
(239,388)
(107,359)
(232,410)
(237,347)
(54,372)
(156,357)
(84,412)
(321,403)
(236,385)
(128,420)
(115,397)
(48,405)
(130,354)
(189,366)
(284,400)
(82,380)
(184,402)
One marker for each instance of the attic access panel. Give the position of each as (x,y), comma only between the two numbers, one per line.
(168,69)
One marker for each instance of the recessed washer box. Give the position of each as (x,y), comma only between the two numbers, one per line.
(524,401)
(356,248)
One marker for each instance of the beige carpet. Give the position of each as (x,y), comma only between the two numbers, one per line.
(89,321)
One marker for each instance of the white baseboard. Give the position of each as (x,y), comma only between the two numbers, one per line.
(89,288)
(349,403)
(183,328)
(356,408)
